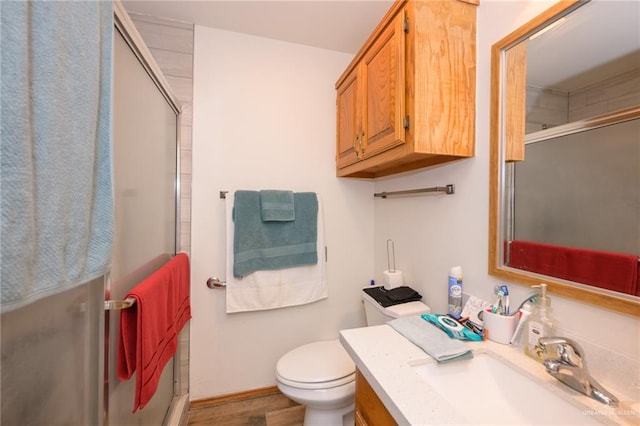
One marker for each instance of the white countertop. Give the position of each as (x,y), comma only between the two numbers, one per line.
(387,360)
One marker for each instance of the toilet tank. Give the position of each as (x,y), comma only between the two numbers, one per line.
(377,315)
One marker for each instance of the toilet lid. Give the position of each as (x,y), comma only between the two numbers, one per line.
(407,309)
(315,363)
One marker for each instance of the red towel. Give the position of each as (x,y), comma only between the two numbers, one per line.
(149,329)
(611,271)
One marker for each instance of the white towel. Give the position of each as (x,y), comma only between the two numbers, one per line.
(263,290)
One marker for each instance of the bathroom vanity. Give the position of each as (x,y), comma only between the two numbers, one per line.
(398,383)
(369,408)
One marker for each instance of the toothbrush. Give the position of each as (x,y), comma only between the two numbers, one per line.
(532,298)
(505,291)
(498,307)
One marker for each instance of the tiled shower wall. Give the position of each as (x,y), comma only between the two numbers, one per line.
(551,108)
(171,44)
(622,91)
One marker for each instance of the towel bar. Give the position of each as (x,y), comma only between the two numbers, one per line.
(115,305)
(449,189)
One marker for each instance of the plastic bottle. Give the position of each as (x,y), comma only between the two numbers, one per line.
(455,292)
(524,313)
(540,323)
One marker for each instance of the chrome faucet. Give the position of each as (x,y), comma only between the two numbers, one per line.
(564,359)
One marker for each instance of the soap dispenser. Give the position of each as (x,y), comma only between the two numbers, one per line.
(540,323)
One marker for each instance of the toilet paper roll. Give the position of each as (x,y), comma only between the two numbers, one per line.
(393,279)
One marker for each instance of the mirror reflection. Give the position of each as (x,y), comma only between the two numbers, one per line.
(568,178)
(576,204)
(583,65)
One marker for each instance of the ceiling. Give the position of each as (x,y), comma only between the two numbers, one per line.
(565,58)
(336,25)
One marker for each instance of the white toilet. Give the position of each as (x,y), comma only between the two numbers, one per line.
(321,375)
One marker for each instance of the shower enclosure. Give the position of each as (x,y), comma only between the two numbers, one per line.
(145,116)
(58,354)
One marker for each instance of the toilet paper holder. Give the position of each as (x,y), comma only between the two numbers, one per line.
(393,251)
(392,277)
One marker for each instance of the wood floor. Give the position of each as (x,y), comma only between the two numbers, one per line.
(265,407)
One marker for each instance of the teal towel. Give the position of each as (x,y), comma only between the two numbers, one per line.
(259,245)
(56,188)
(276,206)
(430,339)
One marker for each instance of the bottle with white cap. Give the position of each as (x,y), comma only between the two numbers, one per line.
(454,307)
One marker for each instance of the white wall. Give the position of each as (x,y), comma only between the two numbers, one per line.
(264,117)
(434,232)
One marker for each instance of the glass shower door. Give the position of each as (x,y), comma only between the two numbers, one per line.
(145,171)
(51,352)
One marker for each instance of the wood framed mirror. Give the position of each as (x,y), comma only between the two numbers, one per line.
(524,77)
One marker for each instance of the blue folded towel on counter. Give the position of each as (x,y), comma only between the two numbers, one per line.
(260,246)
(431,339)
(277,206)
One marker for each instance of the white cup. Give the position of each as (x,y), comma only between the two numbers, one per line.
(499,328)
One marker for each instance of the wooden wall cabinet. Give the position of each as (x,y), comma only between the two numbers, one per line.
(370,411)
(371,99)
(407,100)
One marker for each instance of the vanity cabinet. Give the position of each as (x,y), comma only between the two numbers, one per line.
(370,411)
(407,100)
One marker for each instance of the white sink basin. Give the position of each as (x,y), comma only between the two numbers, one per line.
(490,390)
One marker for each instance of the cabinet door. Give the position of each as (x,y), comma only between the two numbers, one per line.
(349,123)
(369,408)
(383,73)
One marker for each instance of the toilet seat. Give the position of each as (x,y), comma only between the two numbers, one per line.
(318,385)
(318,365)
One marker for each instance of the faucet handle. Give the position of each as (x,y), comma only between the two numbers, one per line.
(557,340)
(567,351)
